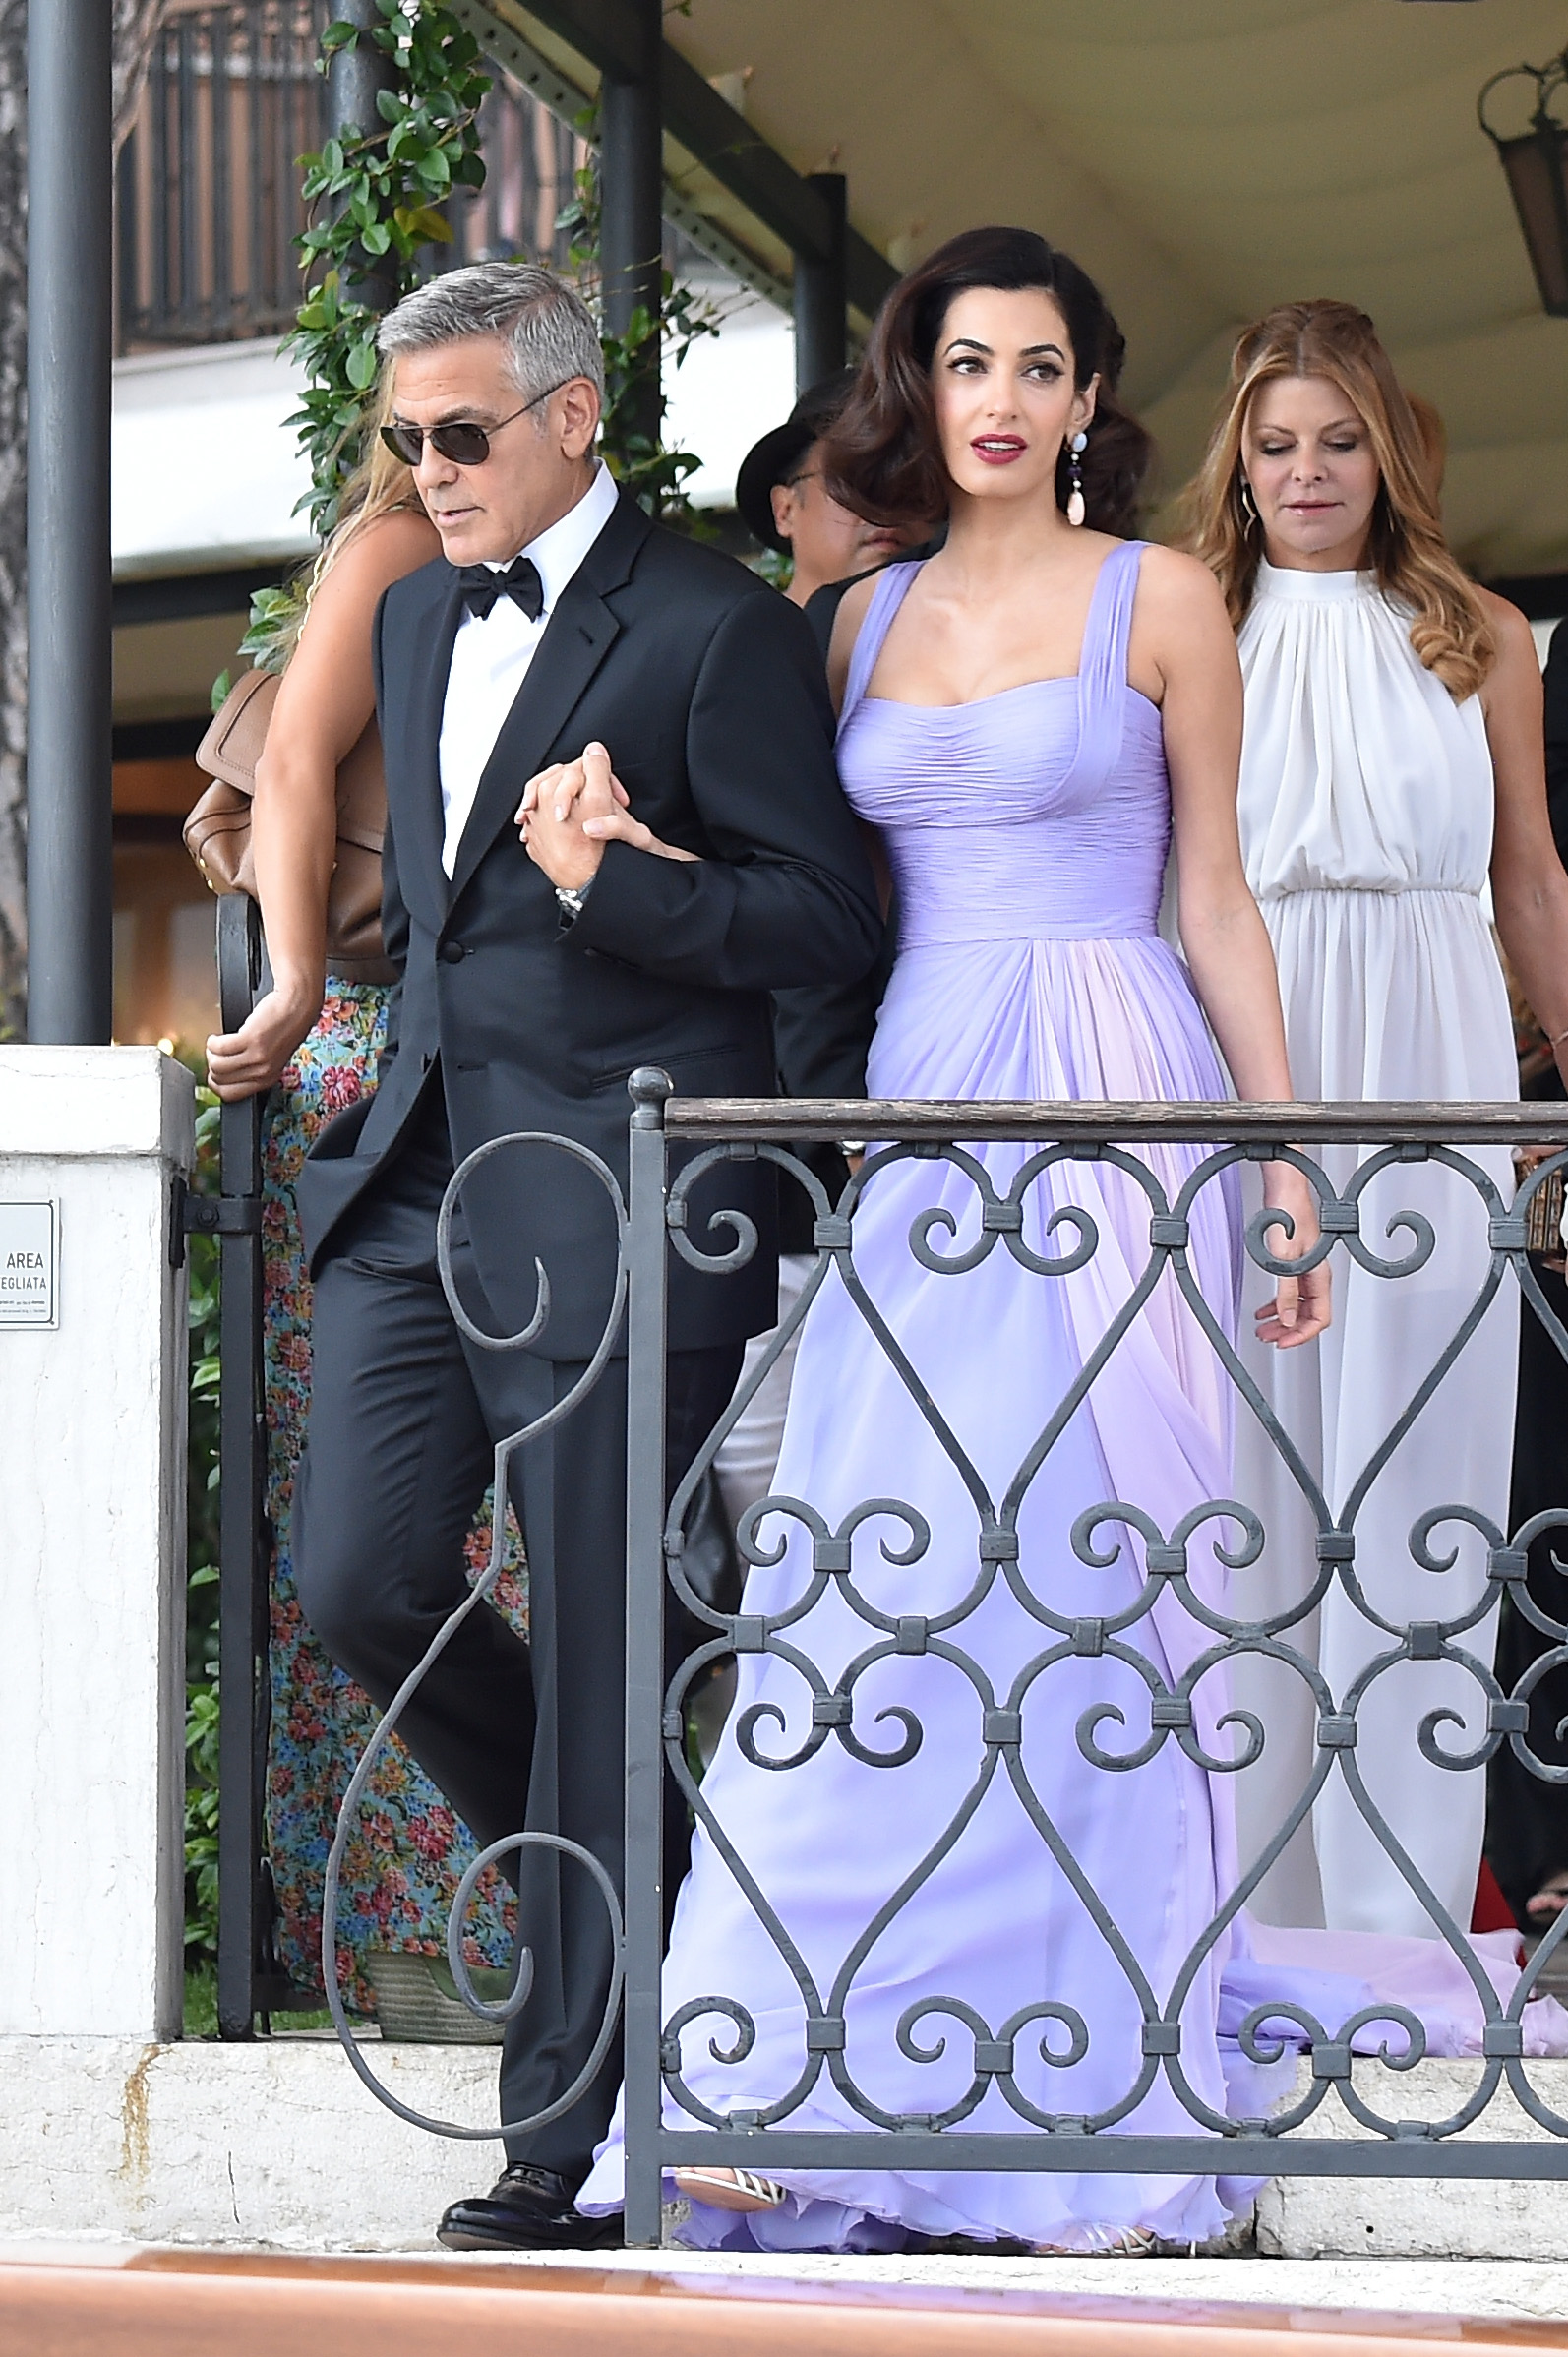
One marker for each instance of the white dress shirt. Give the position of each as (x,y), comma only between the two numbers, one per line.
(492,652)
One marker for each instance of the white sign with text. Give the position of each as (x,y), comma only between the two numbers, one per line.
(29,1264)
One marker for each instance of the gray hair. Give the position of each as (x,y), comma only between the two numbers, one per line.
(545,326)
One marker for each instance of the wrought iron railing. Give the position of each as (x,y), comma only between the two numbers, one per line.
(1039,1215)
(208,196)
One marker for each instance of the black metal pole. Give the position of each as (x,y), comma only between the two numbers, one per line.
(646,1330)
(353,78)
(70,339)
(821,336)
(631,222)
(243,1549)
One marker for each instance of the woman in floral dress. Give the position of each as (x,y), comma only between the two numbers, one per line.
(313,1042)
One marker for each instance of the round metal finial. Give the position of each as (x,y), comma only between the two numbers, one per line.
(650,1088)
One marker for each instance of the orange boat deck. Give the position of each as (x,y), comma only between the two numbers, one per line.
(175,2303)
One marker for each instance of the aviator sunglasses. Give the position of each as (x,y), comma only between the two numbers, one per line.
(463,444)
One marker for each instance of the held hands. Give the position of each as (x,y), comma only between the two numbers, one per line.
(571,810)
(1300,1308)
(248,1061)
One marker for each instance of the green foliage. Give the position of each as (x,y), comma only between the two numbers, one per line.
(375,195)
(276,617)
(376,199)
(202,1540)
(775,565)
(200,2002)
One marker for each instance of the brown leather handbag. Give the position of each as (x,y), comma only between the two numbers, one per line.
(217,832)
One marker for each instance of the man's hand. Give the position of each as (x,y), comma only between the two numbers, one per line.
(570,811)
(586,788)
(552,812)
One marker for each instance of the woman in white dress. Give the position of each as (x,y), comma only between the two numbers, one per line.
(1392,765)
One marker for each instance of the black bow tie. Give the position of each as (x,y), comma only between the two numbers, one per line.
(479,588)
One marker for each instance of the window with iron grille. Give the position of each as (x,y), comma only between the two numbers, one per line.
(207,197)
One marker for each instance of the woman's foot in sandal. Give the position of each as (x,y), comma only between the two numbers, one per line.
(1548,1904)
(729,2189)
(1107,2242)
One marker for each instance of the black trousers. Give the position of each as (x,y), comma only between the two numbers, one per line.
(405,1415)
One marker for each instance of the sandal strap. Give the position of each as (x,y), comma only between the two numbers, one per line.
(744,2181)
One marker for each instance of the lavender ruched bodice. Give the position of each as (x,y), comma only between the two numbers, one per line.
(1043,811)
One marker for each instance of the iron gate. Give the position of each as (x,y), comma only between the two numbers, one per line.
(673,1143)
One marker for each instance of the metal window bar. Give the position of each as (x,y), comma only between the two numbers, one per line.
(652,1222)
(221,266)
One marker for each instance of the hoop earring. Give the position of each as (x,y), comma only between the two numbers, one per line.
(1076,447)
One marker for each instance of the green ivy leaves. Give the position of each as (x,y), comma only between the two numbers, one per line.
(375,197)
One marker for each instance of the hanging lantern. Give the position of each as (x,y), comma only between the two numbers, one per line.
(1535,161)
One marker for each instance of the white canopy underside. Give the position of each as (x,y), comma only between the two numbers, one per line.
(1205,159)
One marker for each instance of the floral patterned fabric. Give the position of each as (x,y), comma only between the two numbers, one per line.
(409,1848)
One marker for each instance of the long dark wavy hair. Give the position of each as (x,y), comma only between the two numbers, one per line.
(883,456)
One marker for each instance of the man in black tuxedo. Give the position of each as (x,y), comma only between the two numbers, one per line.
(613,827)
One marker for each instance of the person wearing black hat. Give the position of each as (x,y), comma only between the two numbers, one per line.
(785,504)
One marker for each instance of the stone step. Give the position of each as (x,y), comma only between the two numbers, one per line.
(1424,2217)
(277,2144)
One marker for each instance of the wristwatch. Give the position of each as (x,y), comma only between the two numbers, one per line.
(571,898)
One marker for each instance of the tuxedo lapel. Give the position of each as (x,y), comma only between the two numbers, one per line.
(579,634)
(417,816)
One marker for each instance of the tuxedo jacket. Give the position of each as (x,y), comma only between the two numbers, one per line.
(708,692)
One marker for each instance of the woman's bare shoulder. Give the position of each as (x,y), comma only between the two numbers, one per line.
(851,608)
(388,547)
(1169,576)
(1509,627)
(851,613)
(382,552)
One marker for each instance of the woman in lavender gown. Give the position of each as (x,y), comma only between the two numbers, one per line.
(1023,719)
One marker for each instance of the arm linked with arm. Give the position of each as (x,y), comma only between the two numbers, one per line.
(787,900)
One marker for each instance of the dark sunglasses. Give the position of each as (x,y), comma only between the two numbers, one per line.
(465,445)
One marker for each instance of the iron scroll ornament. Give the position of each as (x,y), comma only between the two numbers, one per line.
(507,1448)
(923,2033)
(1390,2034)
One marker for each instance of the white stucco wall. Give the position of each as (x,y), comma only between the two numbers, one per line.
(207,474)
(92,1552)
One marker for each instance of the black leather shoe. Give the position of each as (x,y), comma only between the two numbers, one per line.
(527,2210)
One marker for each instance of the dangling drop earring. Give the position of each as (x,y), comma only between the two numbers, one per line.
(1076,447)
(1249,514)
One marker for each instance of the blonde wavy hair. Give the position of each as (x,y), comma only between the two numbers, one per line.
(379,485)
(1406,552)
